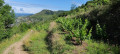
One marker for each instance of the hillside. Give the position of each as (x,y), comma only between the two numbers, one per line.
(45,15)
(105,13)
(22,14)
(41,16)
(92,28)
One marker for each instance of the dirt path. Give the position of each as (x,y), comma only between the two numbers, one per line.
(52,25)
(17,48)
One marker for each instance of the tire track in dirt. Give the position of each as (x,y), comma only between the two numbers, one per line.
(17,48)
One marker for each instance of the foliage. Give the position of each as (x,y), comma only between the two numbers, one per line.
(6,20)
(24,27)
(101,48)
(8,41)
(74,25)
(36,43)
(40,26)
(101,32)
(104,11)
(75,28)
(37,39)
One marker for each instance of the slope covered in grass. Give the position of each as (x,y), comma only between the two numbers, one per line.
(7,42)
(92,28)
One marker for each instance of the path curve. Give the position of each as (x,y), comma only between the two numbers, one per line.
(17,48)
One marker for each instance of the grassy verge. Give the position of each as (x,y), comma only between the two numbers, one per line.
(7,42)
(58,44)
(36,43)
(101,48)
(43,42)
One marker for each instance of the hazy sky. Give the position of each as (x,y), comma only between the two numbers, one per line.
(35,6)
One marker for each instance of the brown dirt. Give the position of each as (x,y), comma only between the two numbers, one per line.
(52,25)
(17,48)
(80,49)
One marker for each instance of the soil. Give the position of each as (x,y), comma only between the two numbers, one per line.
(17,48)
(80,49)
(52,25)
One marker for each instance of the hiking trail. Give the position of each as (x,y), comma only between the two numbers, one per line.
(17,47)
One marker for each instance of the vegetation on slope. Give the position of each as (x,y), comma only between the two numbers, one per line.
(100,13)
(104,13)
(92,28)
(6,19)
(8,41)
(36,43)
(43,41)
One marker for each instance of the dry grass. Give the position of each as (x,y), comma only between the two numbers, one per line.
(7,42)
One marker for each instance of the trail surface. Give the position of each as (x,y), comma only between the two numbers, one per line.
(17,48)
(52,25)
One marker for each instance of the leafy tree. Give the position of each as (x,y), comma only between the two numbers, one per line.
(6,19)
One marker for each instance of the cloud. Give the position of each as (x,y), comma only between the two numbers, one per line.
(13,3)
(20,7)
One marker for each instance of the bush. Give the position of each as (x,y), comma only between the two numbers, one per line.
(24,27)
(101,32)
(40,26)
(75,28)
(101,48)
(21,28)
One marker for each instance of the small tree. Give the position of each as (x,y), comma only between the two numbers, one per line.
(82,32)
(101,31)
(76,28)
(6,19)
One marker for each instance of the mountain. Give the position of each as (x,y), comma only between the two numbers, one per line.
(45,15)
(22,14)
(41,16)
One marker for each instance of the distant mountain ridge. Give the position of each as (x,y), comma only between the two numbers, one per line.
(46,15)
(41,16)
(22,14)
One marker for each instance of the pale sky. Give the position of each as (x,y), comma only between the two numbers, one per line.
(35,6)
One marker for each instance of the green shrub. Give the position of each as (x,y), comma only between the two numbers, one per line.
(75,28)
(24,27)
(101,48)
(41,26)
(101,32)
(20,28)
